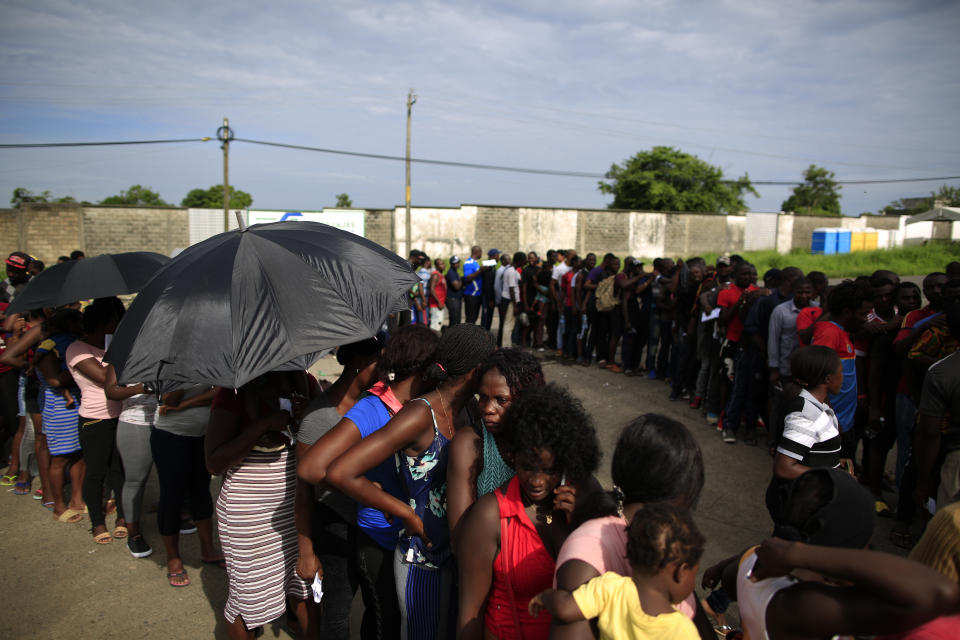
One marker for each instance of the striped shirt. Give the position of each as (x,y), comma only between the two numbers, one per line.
(811,433)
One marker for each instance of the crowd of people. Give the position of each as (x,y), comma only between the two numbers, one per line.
(444,478)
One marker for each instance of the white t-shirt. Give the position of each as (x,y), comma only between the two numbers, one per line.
(560,270)
(510,280)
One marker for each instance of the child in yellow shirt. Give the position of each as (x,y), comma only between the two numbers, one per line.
(664,547)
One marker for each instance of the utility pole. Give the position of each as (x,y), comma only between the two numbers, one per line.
(411,100)
(225,134)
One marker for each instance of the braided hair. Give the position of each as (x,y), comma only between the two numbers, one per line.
(520,369)
(461,349)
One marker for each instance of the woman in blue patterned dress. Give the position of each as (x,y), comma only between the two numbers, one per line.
(481,458)
(417,438)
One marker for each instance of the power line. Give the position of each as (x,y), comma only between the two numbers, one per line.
(444,163)
(50,145)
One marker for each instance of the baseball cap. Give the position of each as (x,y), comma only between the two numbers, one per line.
(18,261)
(493,252)
(454,259)
(724,260)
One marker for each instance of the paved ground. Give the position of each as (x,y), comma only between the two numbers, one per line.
(59,584)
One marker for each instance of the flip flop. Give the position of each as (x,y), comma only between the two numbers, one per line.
(48,505)
(21,488)
(120,531)
(8,480)
(69,516)
(103,538)
(38,494)
(221,562)
(179,575)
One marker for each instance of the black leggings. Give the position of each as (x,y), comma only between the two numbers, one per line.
(183,475)
(98,439)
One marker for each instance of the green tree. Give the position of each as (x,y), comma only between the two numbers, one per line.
(818,194)
(344,201)
(666,179)
(22,194)
(137,195)
(212,198)
(912,206)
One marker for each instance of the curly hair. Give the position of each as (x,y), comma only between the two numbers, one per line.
(410,349)
(461,349)
(550,418)
(520,369)
(660,534)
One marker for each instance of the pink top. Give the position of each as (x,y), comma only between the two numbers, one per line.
(93,401)
(602,544)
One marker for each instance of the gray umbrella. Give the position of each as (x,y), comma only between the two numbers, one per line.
(242,303)
(110,274)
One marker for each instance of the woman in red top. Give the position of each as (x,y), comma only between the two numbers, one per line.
(438,295)
(514,533)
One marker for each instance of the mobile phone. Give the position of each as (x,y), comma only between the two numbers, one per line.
(286,405)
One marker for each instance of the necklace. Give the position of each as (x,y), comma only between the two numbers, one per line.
(545,513)
(446,418)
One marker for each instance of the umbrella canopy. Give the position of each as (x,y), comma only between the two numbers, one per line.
(110,274)
(242,303)
(939,214)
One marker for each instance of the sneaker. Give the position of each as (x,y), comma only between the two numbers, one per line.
(187,527)
(729,436)
(712,418)
(673,397)
(685,395)
(614,367)
(138,547)
(652,374)
(696,402)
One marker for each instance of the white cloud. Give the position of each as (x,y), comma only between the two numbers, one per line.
(753,86)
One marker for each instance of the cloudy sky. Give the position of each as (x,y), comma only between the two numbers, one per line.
(869,89)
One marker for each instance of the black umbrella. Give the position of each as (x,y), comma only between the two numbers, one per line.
(110,274)
(273,296)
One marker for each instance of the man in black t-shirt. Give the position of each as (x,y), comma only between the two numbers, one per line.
(454,291)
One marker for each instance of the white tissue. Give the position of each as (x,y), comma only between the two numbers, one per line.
(317,587)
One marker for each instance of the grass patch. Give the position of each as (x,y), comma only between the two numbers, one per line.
(915,260)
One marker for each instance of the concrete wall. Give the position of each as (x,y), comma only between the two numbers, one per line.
(50,230)
(120,229)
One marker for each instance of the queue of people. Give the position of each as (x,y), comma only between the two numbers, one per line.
(444,478)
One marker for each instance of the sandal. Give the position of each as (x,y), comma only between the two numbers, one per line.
(69,516)
(21,488)
(9,480)
(48,505)
(903,539)
(38,494)
(103,538)
(181,576)
(120,531)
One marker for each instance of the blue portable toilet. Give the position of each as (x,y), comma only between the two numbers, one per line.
(824,241)
(844,238)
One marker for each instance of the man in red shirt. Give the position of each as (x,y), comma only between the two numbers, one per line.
(734,303)
(847,309)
